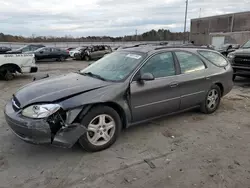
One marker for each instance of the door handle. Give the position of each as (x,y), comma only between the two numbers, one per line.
(174,84)
(207,78)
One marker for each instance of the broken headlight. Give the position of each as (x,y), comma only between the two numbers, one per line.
(230,56)
(40,111)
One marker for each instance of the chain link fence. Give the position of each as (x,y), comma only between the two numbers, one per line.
(15,45)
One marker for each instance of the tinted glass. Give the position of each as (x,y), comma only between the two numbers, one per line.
(45,49)
(189,62)
(55,50)
(160,65)
(214,58)
(115,66)
(33,48)
(246,45)
(26,49)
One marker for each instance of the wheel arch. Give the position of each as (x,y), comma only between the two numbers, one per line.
(221,87)
(113,105)
(12,67)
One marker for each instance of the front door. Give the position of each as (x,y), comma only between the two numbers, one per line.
(159,96)
(192,81)
(44,53)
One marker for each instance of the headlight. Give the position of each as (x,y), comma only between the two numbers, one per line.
(230,56)
(40,111)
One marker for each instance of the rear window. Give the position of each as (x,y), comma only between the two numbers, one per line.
(214,58)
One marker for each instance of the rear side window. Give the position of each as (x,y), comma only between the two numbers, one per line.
(189,62)
(214,58)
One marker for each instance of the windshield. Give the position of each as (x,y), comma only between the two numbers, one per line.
(115,66)
(20,49)
(39,49)
(246,45)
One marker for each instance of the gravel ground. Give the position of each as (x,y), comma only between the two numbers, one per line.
(186,150)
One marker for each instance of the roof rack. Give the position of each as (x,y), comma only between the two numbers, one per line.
(164,47)
(142,44)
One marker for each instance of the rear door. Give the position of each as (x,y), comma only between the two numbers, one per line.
(55,53)
(159,96)
(102,51)
(94,54)
(107,49)
(192,81)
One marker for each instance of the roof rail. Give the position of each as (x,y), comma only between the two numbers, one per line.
(142,44)
(164,47)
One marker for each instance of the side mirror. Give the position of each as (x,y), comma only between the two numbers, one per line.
(147,77)
(41,52)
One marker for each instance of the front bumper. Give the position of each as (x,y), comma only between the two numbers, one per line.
(29,69)
(241,70)
(35,131)
(38,131)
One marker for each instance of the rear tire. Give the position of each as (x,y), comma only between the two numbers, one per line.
(212,100)
(86,58)
(62,58)
(104,125)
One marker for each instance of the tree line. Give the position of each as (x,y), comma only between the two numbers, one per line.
(153,35)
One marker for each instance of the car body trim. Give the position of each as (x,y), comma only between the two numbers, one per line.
(170,99)
(190,94)
(157,102)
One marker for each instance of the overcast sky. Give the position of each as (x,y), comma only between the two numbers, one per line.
(105,17)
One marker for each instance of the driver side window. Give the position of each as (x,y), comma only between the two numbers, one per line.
(160,65)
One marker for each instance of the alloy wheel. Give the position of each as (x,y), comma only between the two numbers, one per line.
(212,99)
(101,129)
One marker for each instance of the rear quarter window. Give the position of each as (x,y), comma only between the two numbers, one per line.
(214,58)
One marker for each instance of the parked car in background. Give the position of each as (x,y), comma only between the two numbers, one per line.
(124,88)
(4,49)
(16,63)
(225,49)
(69,49)
(27,48)
(76,50)
(50,53)
(209,46)
(92,52)
(240,60)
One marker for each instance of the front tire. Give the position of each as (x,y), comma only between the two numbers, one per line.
(212,100)
(8,75)
(104,126)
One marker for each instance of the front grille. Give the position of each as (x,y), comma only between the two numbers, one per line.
(242,61)
(15,104)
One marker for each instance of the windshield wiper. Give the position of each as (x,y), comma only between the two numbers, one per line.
(93,75)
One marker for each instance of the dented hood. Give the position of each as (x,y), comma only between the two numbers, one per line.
(58,88)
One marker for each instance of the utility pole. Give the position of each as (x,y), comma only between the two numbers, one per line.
(136,34)
(200,13)
(185,23)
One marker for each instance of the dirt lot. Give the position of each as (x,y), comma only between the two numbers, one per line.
(186,150)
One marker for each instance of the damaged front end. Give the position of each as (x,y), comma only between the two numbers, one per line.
(59,129)
(65,129)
